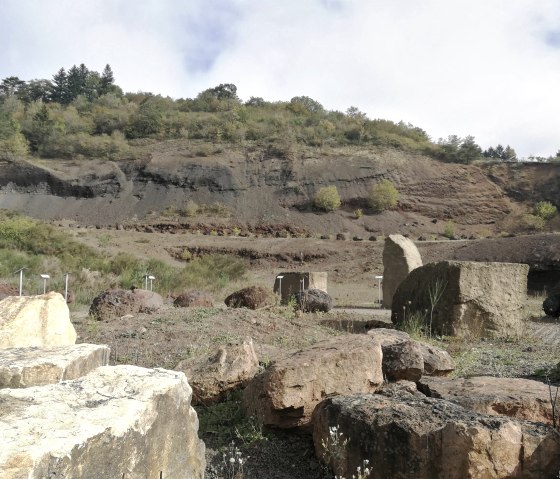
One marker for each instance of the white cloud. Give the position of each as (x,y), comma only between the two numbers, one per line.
(483,67)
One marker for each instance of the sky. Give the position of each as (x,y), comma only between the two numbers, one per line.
(487,68)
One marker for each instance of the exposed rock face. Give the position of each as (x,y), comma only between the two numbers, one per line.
(253,297)
(228,369)
(149,301)
(42,321)
(115,422)
(407,436)
(405,358)
(477,299)
(192,299)
(114,303)
(26,367)
(314,300)
(400,257)
(286,393)
(518,398)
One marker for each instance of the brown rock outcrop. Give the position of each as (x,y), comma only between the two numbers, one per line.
(477,299)
(193,299)
(407,436)
(149,301)
(512,397)
(42,321)
(228,369)
(400,257)
(116,422)
(402,353)
(252,297)
(26,367)
(114,303)
(286,393)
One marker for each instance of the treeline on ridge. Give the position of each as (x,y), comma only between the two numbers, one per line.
(81,112)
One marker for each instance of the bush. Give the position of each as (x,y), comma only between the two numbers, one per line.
(532,222)
(327,199)
(545,210)
(449,230)
(383,196)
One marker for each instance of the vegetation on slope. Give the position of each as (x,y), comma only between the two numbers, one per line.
(40,248)
(80,112)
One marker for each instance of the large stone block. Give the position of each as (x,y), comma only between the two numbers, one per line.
(294,282)
(26,367)
(42,321)
(409,436)
(229,368)
(512,397)
(286,393)
(400,257)
(116,422)
(476,299)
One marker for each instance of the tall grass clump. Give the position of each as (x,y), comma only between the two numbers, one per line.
(212,272)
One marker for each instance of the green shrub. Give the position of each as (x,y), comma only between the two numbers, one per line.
(545,210)
(327,199)
(383,196)
(449,230)
(358,213)
(532,222)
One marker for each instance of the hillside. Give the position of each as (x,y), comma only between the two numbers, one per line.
(256,187)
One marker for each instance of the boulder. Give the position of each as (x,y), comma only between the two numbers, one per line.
(400,257)
(476,299)
(228,369)
(114,303)
(194,299)
(286,393)
(116,422)
(253,297)
(398,358)
(406,436)
(551,305)
(313,300)
(437,362)
(42,321)
(403,361)
(26,367)
(149,301)
(517,398)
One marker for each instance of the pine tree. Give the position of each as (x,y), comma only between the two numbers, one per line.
(107,80)
(60,92)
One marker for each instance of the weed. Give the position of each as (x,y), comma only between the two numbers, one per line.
(449,230)
(335,452)
(233,463)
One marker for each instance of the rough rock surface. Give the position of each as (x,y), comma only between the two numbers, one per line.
(42,321)
(408,436)
(253,297)
(149,301)
(286,393)
(114,303)
(397,357)
(400,257)
(403,361)
(193,299)
(477,299)
(116,422)
(512,397)
(228,369)
(314,300)
(26,367)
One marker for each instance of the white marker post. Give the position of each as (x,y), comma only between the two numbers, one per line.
(151,278)
(279,278)
(66,286)
(20,271)
(379,279)
(45,277)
